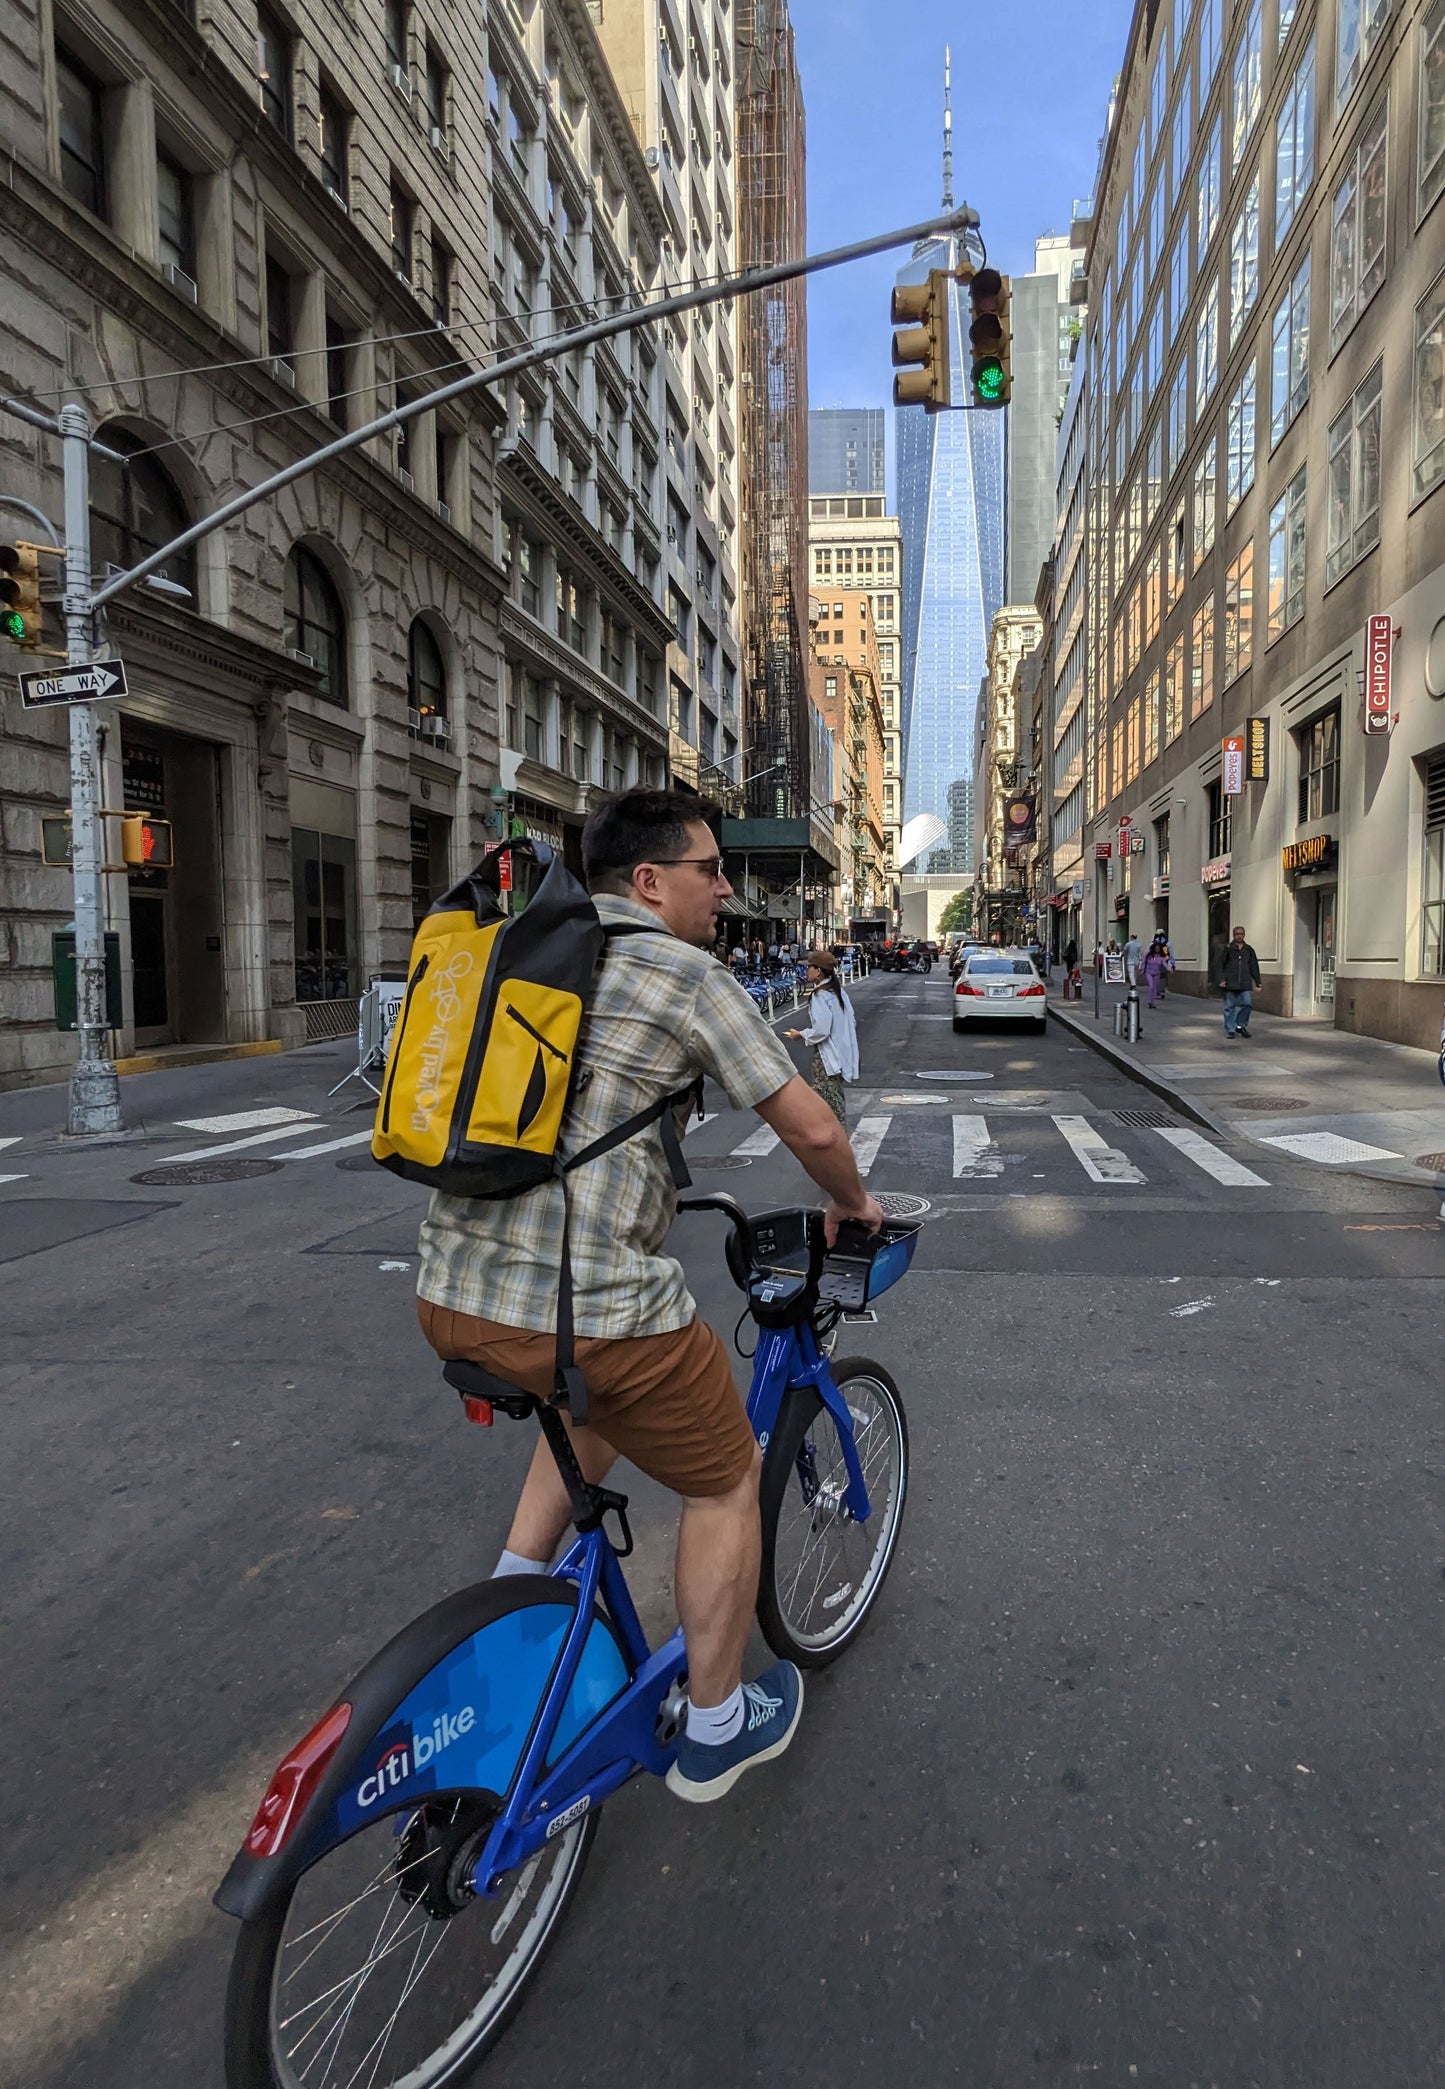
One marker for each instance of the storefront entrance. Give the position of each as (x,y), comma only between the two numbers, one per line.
(1218,932)
(178,982)
(1324,980)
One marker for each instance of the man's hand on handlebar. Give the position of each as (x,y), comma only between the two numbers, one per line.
(869,1213)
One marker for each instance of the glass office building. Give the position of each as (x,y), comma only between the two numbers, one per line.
(951,507)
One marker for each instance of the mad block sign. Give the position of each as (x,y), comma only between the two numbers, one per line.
(1232,765)
(1377,674)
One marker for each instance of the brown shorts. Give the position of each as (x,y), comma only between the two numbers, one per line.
(667,1402)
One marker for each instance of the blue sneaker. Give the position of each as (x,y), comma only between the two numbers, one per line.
(772,1706)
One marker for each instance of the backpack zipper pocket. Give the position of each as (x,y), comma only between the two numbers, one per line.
(545,1042)
(412,985)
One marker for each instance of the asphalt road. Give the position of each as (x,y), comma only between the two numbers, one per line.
(1134,1777)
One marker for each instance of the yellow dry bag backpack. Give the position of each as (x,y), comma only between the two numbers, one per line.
(483,1052)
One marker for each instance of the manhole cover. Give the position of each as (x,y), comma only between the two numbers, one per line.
(1433,1161)
(358,1163)
(1155,1119)
(191,1173)
(898,1204)
(1267,1105)
(701,1163)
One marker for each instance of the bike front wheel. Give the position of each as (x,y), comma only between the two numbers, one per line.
(823,1570)
(377,1971)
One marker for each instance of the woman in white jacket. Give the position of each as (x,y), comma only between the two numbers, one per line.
(831,1032)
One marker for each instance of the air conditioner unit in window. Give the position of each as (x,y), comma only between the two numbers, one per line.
(439,141)
(179,281)
(281,369)
(435,728)
(406,479)
(413,719)
(301,659)
(335,194)
(401,81)
(444,511)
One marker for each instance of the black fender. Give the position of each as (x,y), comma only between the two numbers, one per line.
(253,1884)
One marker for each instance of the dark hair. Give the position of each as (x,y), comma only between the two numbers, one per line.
(824,962)
(637,827)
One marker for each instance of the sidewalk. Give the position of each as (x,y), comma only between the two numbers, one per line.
(1295,1086)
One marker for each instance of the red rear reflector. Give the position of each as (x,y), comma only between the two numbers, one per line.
(477,1410)
(294,1782)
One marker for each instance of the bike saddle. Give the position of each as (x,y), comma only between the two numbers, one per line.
(480,1387)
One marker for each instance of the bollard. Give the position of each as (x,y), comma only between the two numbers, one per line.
(1132,1031)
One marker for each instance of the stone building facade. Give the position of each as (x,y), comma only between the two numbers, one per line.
(846,686)
(854,543)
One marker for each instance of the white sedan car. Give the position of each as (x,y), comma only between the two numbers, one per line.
(999,983)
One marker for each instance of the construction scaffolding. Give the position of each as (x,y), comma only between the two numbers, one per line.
(773,418)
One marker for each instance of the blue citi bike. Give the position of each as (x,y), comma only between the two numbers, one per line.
(414,1855)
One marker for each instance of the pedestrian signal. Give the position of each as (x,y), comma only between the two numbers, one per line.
(20,595)
(989,340)
(145,844)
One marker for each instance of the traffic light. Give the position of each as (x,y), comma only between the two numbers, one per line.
(922,310)
(20,595)
(988,338)
(145,844)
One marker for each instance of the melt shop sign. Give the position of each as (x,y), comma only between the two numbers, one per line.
(1379,639)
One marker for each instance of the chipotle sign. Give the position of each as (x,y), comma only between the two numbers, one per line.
(1378,640)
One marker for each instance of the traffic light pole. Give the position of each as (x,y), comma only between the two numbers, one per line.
(94,1084)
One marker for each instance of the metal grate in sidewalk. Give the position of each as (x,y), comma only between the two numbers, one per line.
(1154,1120)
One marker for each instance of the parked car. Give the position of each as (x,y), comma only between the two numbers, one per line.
(999,983)
(957,956)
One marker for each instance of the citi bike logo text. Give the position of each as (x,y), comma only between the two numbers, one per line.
(446,1006)
(414,1753)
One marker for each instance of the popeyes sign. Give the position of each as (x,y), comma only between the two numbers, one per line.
(1379,640)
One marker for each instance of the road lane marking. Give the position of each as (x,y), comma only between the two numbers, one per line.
(757,1145)
(207,1153)
(868,1136)
(14,1178)
(304,1153)
(974,1153)
(1100,1161)
(706,1118)
(246,1120)
(1222,1166)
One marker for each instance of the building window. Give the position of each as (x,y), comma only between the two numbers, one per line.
(1219,811)
(1175,555)
(1247,85)
(338,359)
(1174,692)
(1432,106)
(1319,767)
(82,134)
(571,611)
(437,85)
(519,142)
(529,571)
(400,220)
(1239,614)
(1358,23)
(323,869)
(1180,137)
(426,675)
(1290,353)
(1206,349)
(1151,721)
(273,69)
(1201,660)
(533,718)
(1210,180)
(1179,277)
(1432,911)
(331,127)
(134,510)
(1428,419)
(441,282)
(1287,558)
(1354,468)
(1211,17)
(1206,485)
(1178,417)
(1239,443)
(314,623)
(280,330)
(175,215)
(1244,262)
(1131,757)
(1288,9)
(1357,232)
(393,29)
(1294,161)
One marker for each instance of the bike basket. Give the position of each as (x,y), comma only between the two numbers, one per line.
(864,1265)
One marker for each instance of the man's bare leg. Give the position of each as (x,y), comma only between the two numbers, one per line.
(719,1553)
(544,1512)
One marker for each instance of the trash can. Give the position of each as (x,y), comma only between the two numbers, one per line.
(62,965)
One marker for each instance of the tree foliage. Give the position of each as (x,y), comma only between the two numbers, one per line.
(957,916)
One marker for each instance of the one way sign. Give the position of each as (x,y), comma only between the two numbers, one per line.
(73,685)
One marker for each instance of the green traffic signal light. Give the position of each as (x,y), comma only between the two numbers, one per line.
(12,625)
(988,379)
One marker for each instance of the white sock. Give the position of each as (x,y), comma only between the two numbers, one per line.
(513,1563)
(714,1724)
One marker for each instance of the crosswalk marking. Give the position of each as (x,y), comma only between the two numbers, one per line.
(757,1145)
(1100,1161)
(706,1118)
(304,1153)
(12,1140)
(973,1150)
(868,1135)
(245,1120)
(1222,1166)
(14,1178)
(206,1153)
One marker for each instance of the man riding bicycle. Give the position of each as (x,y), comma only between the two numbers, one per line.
(660,1387)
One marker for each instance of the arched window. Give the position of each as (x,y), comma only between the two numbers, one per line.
(134,509)
(426,675)
(315,620)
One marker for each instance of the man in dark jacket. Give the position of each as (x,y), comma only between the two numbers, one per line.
(1238,974)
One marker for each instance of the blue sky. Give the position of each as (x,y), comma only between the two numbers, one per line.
(1029,96)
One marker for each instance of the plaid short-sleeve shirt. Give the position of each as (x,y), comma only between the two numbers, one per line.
(663,1013)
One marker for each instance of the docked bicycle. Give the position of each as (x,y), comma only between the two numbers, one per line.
(414,1855)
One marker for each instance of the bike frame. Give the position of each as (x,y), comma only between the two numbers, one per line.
(541,1802)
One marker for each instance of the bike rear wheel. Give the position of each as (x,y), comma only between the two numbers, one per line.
(368,1974)
(822,1571)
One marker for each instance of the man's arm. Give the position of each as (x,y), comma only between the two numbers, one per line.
(810,1131)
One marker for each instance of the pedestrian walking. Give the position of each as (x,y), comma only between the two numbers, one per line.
(1133,958)
(1168,949)
(831,1032)
(1071,955)
(1238,975)
(1156,964)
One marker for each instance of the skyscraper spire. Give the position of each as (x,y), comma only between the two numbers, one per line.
(947,128)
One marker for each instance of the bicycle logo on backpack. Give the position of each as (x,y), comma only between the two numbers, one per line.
(414,1854)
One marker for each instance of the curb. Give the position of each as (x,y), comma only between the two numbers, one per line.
(195,1055)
